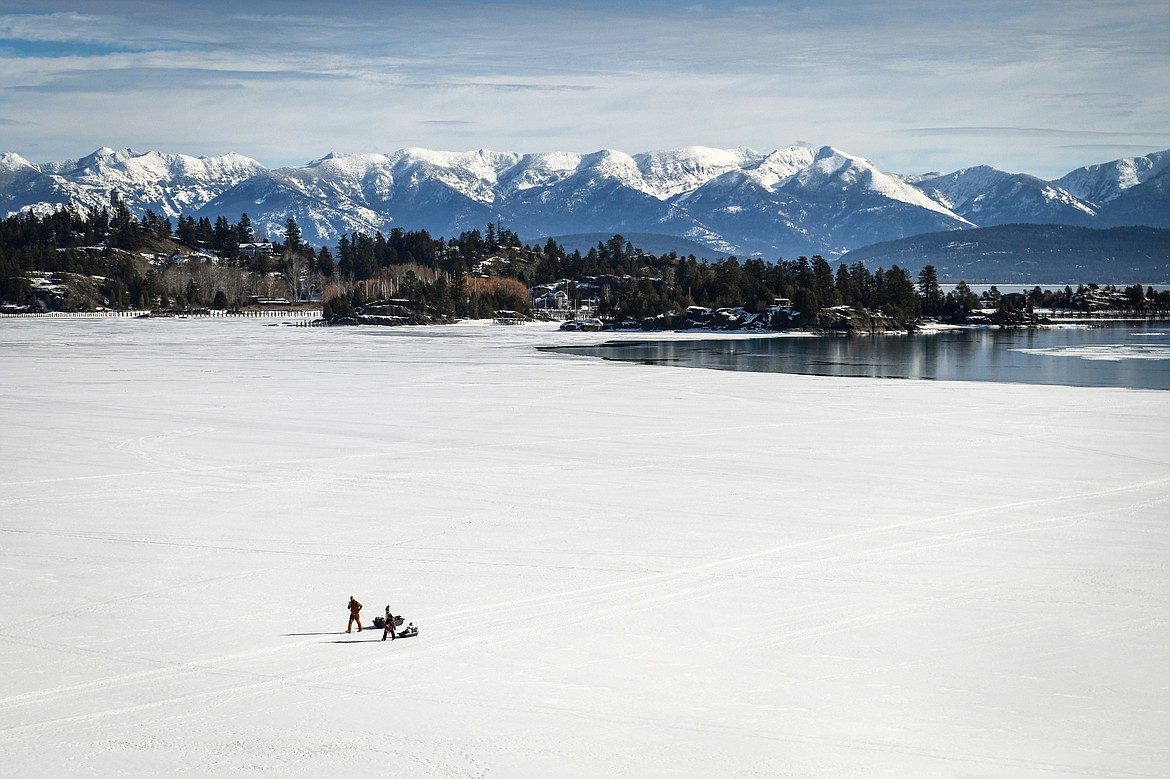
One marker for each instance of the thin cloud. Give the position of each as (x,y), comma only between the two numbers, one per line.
(132,79)
(60,26)
(1025,131)
(1118,148)
(516,87)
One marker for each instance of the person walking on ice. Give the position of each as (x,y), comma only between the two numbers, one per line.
(389,627)
(355,609)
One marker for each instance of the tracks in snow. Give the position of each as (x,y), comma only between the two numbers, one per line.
(571,608)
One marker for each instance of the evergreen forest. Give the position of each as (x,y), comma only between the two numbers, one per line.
(110,258)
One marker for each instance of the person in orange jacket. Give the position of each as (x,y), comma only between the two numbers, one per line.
(354,615)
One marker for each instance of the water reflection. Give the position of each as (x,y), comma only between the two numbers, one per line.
(1129,355)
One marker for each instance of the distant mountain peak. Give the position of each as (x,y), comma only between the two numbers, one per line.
(798,199)
(13,161)
(1108,181)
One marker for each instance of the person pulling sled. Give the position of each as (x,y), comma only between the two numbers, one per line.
(389,622)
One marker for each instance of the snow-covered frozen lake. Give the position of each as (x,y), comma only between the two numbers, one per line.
(616,569)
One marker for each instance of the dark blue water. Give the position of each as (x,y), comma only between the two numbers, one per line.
(1134,355)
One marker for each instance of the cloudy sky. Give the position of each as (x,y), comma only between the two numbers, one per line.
(1032,86)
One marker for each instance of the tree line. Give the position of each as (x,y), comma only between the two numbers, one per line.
(146,263)
(149,262)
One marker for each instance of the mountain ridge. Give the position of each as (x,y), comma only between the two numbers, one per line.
(786,202)
(1023,253)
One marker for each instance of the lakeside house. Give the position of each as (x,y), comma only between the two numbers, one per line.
(261,249)
(555,299)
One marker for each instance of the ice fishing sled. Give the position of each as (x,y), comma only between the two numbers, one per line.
(406,632)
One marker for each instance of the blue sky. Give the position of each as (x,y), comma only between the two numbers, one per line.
(914,85)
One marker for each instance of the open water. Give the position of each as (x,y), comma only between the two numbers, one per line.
(1133,354)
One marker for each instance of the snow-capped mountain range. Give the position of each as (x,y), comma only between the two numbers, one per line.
(792,201)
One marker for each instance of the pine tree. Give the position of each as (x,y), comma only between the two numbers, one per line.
(325,264)
(292,235)
(929,291)
(243,230)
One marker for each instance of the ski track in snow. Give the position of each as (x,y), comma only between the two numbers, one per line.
(578,607)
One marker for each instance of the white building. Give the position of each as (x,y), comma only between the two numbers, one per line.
(555,299)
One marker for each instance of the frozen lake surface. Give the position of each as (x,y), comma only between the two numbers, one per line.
(616,569)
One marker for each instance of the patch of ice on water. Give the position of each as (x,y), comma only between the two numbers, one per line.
(1112,352)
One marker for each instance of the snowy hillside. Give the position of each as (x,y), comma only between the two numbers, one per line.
(23,185)
(988,197)
(1106,182)
(169,184)
(1132,191)
(671,173)
(791,201)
